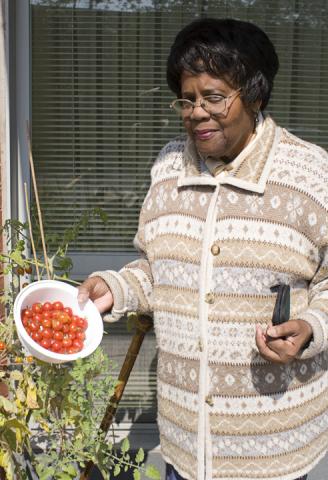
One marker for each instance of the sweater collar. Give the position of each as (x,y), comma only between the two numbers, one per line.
(254,163)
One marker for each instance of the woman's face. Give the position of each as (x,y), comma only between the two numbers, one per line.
(220,136)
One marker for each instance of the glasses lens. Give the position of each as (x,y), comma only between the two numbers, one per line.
(182,106)
(214,104)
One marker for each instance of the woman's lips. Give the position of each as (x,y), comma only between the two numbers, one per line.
(204,134)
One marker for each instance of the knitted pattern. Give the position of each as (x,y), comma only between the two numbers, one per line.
(211,250)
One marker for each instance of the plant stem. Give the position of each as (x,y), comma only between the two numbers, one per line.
(37,202)
(31,233)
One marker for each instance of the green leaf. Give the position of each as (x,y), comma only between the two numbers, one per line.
(8,406)
(152,472)
(17,258)
(69,469)
(136,475)
(10,438)
(125,445)
(14,423)
(64,476)
(47,473)
(117,470)
(140,455)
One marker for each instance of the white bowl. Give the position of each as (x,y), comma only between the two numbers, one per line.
(51,291)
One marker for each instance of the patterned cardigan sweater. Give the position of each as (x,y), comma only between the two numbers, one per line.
(211,248)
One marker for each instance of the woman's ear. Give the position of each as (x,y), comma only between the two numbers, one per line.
(256,107)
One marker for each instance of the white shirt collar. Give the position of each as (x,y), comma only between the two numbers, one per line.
(219,168)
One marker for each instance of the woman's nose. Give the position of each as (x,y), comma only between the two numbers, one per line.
(199,112)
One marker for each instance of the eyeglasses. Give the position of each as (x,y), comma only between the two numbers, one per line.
(212,104)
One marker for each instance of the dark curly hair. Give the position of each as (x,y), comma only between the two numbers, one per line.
(238,51)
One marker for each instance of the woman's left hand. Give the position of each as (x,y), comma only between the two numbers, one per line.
(281,343)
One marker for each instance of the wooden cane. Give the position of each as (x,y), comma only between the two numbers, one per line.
(143,325)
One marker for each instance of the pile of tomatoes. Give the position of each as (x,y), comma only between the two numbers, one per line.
(55,327)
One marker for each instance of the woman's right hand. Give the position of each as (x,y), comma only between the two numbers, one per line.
(98,291)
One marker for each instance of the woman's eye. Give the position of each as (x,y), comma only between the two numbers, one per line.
(214,98)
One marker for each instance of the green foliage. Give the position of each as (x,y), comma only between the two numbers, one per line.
(66,401)
(153,473)
(57,244)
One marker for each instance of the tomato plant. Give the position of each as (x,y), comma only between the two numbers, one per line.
(67,401)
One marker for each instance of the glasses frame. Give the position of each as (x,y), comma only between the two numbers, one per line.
(226,101)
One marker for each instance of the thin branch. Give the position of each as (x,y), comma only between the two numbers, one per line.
(31,233)
(37,201)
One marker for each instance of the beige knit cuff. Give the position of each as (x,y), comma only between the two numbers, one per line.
(119,289)
(319,342)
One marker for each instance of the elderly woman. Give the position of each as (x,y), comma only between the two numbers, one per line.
(235,207)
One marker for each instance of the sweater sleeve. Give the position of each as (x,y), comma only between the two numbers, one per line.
(317,312)
(132,286)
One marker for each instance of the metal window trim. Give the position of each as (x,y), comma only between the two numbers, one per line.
(19,98)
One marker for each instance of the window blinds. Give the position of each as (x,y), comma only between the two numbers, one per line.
(100,101)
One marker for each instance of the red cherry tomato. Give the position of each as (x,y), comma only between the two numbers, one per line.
(80,336)
(37,317)
(57,324)
(45,343)
(78,344)
(69,311)
(46,322)
(46,307)
(47,333)
(85,324)
(34,326)
(56,346)
(67,342)
(64,317)
(57,306)
(28,313)
(3,346)
(66,328)
(37,308)
(47,315)
(58,335)
(55,313)
(73,327)
(72,350)
(37,336)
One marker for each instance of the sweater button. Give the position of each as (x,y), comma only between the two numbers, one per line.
(209,298)
(215,249)
(209,400)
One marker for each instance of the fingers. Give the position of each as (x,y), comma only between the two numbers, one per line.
(93,288)
(281,343)
(83,294)
(290,328)
(285,349)
(84,290)
(98,291)
(266,352)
